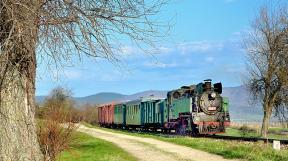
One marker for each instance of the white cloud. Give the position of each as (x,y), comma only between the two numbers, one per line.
(128,50)
(159,65)
(165,50)
(182,48)
(199,46)
(133,50)
(115,75)
(72,74)
(210,59)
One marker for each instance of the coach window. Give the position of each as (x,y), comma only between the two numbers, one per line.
(135,109)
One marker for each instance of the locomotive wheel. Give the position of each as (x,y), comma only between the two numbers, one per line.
(195,131)
(181,130)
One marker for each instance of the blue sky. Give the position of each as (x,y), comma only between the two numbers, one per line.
(204,42)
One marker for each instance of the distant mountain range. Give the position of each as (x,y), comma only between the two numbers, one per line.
(106,97)
(240,108)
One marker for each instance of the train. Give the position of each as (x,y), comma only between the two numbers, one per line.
(189,110)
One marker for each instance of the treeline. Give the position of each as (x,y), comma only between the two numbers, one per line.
(56,121)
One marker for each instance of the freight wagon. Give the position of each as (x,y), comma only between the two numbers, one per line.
(106,115)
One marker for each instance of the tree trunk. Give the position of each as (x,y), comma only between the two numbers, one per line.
(18,38)
(266,120)
(18,139)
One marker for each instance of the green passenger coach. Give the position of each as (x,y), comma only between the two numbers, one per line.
(120,115)
(145,113)
(133,113)
(152,112)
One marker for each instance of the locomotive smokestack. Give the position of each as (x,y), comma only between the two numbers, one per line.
(207,86)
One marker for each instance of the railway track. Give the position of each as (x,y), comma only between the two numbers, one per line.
(248,139)
(223,137)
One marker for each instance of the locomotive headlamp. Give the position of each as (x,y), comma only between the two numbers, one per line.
(213,94)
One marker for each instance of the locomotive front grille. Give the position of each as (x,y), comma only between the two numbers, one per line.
(211,127)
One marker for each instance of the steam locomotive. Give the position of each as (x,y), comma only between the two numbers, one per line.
(189,110)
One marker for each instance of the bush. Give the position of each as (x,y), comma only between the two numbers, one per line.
(55,128)
(54,138)
(90,114)
(245,131)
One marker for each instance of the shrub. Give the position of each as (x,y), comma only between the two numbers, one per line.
(245,130)
(55,127)
(54,138)
(90,114)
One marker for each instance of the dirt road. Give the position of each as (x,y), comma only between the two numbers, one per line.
(148,149)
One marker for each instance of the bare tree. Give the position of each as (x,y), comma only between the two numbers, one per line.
(267,47)
(57,31)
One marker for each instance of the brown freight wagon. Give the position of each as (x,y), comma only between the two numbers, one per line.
(106,115)
(101,119)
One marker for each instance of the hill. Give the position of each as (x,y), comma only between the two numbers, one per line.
(241,107)
(100,98)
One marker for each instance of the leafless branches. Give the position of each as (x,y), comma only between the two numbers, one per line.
(70,28)
(267,53)
(62,30)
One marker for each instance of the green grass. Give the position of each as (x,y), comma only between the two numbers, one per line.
(237,132)
(232,149)
(274,133)
(88,148)
(228,149)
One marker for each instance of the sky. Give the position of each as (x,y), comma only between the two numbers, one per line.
(205,41)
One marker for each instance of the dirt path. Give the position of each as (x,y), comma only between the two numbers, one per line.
(148,149)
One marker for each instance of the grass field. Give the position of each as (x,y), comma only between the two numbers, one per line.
(229,149)
(274,133)
(88,148)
